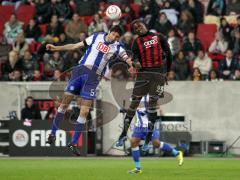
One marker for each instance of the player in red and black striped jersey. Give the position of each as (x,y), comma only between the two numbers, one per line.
(153,57)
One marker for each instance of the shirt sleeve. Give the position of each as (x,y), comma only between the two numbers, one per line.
(122,52)
(89,40)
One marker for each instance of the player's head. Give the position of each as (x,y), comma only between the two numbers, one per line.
(139,27)
(114,33)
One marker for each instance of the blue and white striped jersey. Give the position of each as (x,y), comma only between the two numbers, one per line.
(100,51)
(141,113)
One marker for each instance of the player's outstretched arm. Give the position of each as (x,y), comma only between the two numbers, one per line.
(67,47)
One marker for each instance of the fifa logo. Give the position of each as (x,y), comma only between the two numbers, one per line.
(102,47)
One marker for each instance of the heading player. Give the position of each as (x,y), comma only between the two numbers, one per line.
(86,77)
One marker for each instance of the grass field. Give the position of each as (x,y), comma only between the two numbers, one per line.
(116,168)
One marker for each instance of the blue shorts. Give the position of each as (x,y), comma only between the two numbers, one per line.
(83,82)
(141,133)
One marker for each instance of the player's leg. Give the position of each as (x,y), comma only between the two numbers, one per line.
(166,147)
(140,89)
(139,133)
(84,105)
(152,116)
(156,91)
(128,118)
(67,98)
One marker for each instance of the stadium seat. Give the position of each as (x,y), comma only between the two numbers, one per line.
(32,47)
(215,65)
(206,34)
(87,20)
(41,67)
(25,13)
(191,65)
(43,28)
(136,8)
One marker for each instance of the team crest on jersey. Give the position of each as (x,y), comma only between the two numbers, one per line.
(102,47)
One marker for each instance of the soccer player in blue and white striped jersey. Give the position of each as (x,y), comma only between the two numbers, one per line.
(140,131)
(86,77)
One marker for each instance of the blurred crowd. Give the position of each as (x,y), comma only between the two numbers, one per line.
(59,22)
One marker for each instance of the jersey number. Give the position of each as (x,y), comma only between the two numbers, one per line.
(102,47)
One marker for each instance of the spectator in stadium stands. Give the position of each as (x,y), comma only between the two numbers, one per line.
(53,110)
(127,12)
(54,28)
(228,66)
(62,9)
(191,44)
(62,39)
(55,62)
(43,11)
(86,7)
(71,59)
(12,64)
(149,12)
(16,75)
(171,76)
(219,45)
(196,75)
(42,53)
(57,76)
(181,67)
(33,31)
(127,40)
(30,111)
(237,28)
(233,7)
(216,7)
(196,9)
(204,63)
(20,45)
(29,64)
(225,29)
(235,43)
(12,28)
(74,28)
(163,25)
(97,25)
(213,76)
(171,13)
(185,24)
(174,42)
(237,75)
(37,76)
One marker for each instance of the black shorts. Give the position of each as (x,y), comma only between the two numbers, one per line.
(151,83)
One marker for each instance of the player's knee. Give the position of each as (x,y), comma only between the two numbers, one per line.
(134,143)
(84,111)
(156,143)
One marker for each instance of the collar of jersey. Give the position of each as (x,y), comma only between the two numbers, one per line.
(105,41)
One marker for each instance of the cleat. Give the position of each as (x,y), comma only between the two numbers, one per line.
(180,158)
(74,149)
(145,147)
(135,171)
(51,139)
(121,141)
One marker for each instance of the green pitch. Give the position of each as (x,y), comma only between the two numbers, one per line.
(116,168)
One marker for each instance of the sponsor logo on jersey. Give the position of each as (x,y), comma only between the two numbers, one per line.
(102,47)
(153,41)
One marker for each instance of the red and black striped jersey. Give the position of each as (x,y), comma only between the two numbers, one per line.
(152,51)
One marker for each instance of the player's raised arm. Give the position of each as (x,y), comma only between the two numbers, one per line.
(67,47)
